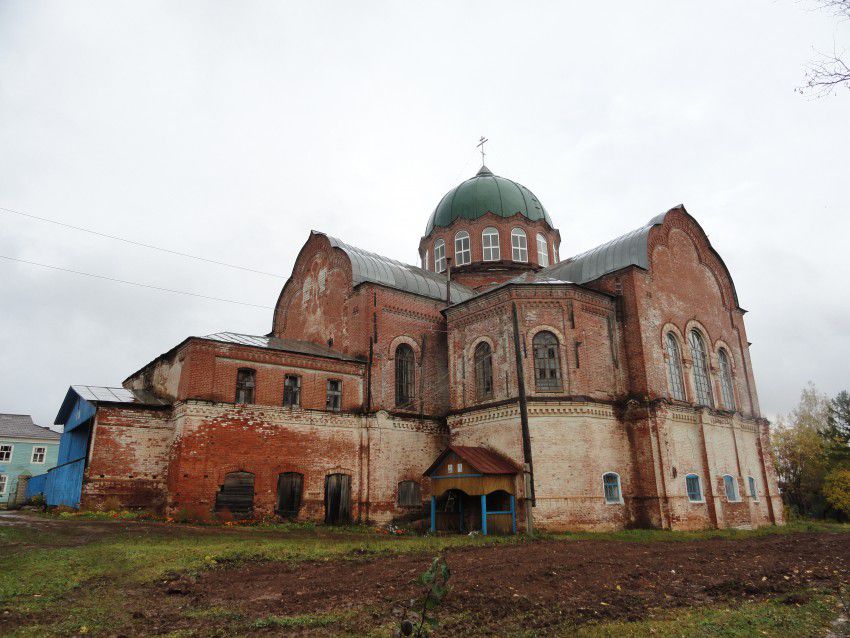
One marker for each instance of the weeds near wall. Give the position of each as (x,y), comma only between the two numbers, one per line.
(435,582)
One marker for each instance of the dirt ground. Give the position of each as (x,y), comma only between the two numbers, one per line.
(545,582)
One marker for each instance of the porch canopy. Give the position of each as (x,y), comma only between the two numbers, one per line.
(473,489)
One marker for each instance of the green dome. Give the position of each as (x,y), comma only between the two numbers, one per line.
(486,193)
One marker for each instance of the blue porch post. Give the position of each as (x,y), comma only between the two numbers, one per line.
(484,514)
(433,513)
(513,514)
(461,513)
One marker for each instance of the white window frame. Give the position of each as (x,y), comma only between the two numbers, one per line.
(439,255)
(754,492)
(519,245)
(35,450)
(451,468)
(675,374)
(737,498)
(6,455)
(460,468)
(425,260)
(490,251)
(463,255)
(542,251)
(727,392)
(699,485)
(619,489)
(555,253)
(4,483)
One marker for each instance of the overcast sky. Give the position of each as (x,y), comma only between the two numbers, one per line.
(230,129)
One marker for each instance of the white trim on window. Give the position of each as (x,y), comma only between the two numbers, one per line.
(490,244)
(6,450)
(519,245)
(3,482)
(730,481)
(439,255)
(612,497)
(463,248)
(39,453)
(542,251)
(694,495)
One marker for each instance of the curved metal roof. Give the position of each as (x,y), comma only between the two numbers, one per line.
(366,266)
(486,193)
(627,250)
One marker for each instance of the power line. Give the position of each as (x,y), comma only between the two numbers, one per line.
(142,244)
(134,283)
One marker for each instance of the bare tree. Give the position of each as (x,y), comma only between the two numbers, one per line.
(829,72)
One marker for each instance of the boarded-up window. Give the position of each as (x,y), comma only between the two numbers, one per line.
(289,488)
(483,371)
(334,398)
(404,371)
(236,495)
(245,381)
(337,499)
(291,391)
(409,494)
(547,362)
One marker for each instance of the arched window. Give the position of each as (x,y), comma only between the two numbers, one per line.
(754,493)
(731,487)
(425,261)
(694,487)
(463,253)
(542,251)
(674,367)
(245,384)
(490,244)
(701,378)
(547,362)
(726,391)
(404,364)
(611,486)
(483,371)
(519,245)
(439,255)
(409,494)
(555,252)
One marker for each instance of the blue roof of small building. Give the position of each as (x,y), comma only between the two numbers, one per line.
(21,426)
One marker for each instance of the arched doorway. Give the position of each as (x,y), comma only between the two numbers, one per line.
(337,499)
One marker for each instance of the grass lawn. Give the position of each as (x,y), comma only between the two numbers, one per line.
(61,577)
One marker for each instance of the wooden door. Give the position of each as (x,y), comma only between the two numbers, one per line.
(289,487)
(236,495)
(337,499)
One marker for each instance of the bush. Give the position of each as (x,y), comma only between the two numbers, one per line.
(836,489)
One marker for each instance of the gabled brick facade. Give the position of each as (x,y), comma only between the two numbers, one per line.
(606,409)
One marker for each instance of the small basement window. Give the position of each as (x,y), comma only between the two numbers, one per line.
(38,454)
(334,395)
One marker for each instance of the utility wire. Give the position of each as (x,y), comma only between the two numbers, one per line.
(138,243)
(134,283)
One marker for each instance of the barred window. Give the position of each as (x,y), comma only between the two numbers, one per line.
(245,384)
(439,255)
(694,488)
(291,391)
(519,245)
(542,251)
(463,253)
(404,371)
(701,379)
(731,487)
(611,485)
(333,401)
(483,371)
(547,362)
(727,393)
(490,244)
(674,368)
(409,494)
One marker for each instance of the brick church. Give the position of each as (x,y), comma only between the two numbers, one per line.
(607,390)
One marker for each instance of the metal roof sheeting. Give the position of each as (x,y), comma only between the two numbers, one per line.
(366,266)
(101,394)
(286,345)
(479,458)
(21,426)
(627,250)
